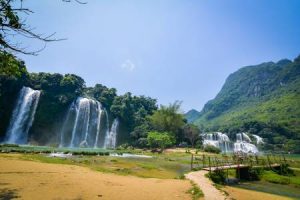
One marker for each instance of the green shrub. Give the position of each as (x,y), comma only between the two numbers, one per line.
(285,170)
(255,173)
(217,176)
(211,149)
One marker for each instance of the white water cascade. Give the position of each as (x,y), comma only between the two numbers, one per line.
(259,139)
(219,140)
(111,136)
(83,121)
(243,145)
(23,116)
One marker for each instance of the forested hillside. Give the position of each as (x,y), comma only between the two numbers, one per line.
(262,99)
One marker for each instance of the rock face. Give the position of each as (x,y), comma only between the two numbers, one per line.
(267,93)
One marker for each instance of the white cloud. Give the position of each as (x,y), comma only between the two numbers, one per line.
(128,65)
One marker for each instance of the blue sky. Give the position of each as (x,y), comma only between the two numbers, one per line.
(169,49)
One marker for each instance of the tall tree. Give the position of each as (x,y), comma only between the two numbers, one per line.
(192,133)
(169,119)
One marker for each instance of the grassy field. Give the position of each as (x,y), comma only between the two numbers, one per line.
(164,166)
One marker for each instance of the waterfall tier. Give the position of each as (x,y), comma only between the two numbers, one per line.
(23,116)
(218,140)
(111,136)
(243,142)
(83,125)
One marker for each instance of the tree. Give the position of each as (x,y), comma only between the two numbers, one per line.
(133,109)
(159,139)
(192,133)
(169,119)
(12,24)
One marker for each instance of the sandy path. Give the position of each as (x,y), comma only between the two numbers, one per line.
(34,180)
(206,185)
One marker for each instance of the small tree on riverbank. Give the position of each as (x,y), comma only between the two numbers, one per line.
(159,140)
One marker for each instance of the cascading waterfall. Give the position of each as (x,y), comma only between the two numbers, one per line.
(111,137)
(243,144)
(84,117)
(98,124)
(259,139)
(219,140)
(23,116)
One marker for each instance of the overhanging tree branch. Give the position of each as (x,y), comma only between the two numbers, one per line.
(12,25)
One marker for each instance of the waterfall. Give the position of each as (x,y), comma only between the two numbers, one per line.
(111,136)
(82,124)
(23,116)
(219,140)
(243,137)
(98,124)
(259,140)
(63,130)
(243,144)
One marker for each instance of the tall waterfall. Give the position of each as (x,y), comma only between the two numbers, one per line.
(23,116)
(111,136)
(82,125)
(219,140)
(98,124)
(243,144)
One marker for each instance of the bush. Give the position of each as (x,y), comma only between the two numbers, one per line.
(160,139)
(211,149)
(255,173)
(285,170)
(217,176)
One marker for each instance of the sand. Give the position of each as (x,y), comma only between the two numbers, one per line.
(35,180)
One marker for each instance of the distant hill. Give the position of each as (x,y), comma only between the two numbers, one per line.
(192,115)
(263,99)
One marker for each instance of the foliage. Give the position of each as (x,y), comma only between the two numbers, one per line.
(211,149)
(133,109)
(255,173)
(285,170)
(192,133)
(169,119)
(218,176)
(159,139)
(103,94)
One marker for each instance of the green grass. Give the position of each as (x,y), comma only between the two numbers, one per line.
(273,177)
(195,192)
